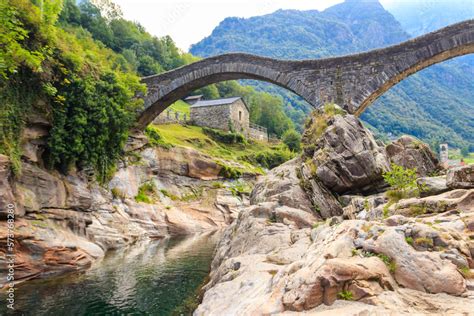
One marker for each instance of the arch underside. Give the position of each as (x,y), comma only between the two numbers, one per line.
(394,80)
(153,110)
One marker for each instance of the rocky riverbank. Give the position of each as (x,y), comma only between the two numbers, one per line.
(323,237)
(65,222)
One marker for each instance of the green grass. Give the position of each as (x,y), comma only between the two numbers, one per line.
(180,106)
(194,137)
(469,159)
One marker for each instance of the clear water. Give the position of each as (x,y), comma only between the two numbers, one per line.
(153,278)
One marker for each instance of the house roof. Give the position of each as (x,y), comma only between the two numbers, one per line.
(217,102)
(194,97)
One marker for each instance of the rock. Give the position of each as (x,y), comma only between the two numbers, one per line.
(79,197)
(410,152)
(324,202)
(33,141)
(419,270)
(135,141)
(432,185)
(281,185)
(347,157)
(461,177)
(452,200)
(359,207)
(39,189)
(7,198)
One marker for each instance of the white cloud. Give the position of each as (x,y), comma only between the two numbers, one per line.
(189,21)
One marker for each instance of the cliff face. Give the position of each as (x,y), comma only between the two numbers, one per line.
(64,223)
(322,236)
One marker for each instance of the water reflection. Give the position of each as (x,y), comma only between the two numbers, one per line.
(150,278)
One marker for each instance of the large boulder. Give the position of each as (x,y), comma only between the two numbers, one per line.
(346,157)
(461,177)
(324,202)
(419,270)
(432,185)
(410,152)
(282,185)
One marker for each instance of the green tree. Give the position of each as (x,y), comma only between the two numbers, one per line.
(292,139)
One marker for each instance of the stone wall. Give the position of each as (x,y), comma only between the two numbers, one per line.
(240,122)
(211,116)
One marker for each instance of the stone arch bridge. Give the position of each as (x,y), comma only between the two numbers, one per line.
(352,81)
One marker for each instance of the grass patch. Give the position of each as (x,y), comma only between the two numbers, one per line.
(180,106)
(409,240)
(466,272)
(169,195)
(240,188)
(346,295)
(252,155)
(118,194)
(155,139)
(424,242)
(146,193)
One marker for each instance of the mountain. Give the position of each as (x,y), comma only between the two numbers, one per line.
(435,104)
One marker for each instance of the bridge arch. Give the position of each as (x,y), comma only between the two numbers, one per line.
(167,88)
(353,81)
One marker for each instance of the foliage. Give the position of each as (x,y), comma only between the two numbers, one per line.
(292,139)
(466,272)
(400,179)
(229,172)
(146,193)
(117,193)
(155,139)
(269,159)
(345,295)
(409,240)
(224,137)
(240,188)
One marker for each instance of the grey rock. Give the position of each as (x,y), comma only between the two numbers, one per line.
(410,152)
(461,177)
(432,185)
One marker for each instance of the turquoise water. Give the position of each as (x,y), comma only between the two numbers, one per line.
(153,278)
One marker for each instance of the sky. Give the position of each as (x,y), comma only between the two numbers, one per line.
(189,21)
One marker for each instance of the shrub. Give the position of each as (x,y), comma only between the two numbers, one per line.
(170,195)
(401,179)
(332,109)
(292,139)
(240,188)
(155,139)
(117,193)
(269,159)
(146,193)
(424,242)
(229,172)
(409,240)
(345,295)
(224,137)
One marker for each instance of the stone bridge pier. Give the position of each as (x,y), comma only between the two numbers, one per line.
(352,81)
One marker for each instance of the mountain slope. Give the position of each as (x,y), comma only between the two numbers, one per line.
(435,104)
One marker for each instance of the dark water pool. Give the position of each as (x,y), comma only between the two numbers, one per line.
(153,278)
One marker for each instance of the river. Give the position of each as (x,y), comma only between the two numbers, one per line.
(149,278)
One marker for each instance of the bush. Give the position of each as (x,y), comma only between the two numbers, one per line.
(345,295)
(269,159)
(229,172)
(155,139)
(146,193)
(224,137)
(402,182)
(292,139)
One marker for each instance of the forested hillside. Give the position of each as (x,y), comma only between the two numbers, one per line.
(435,105)
(78,66)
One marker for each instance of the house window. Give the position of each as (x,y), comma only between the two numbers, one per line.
(240,115)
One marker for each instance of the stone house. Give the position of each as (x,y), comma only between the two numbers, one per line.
(224,114)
